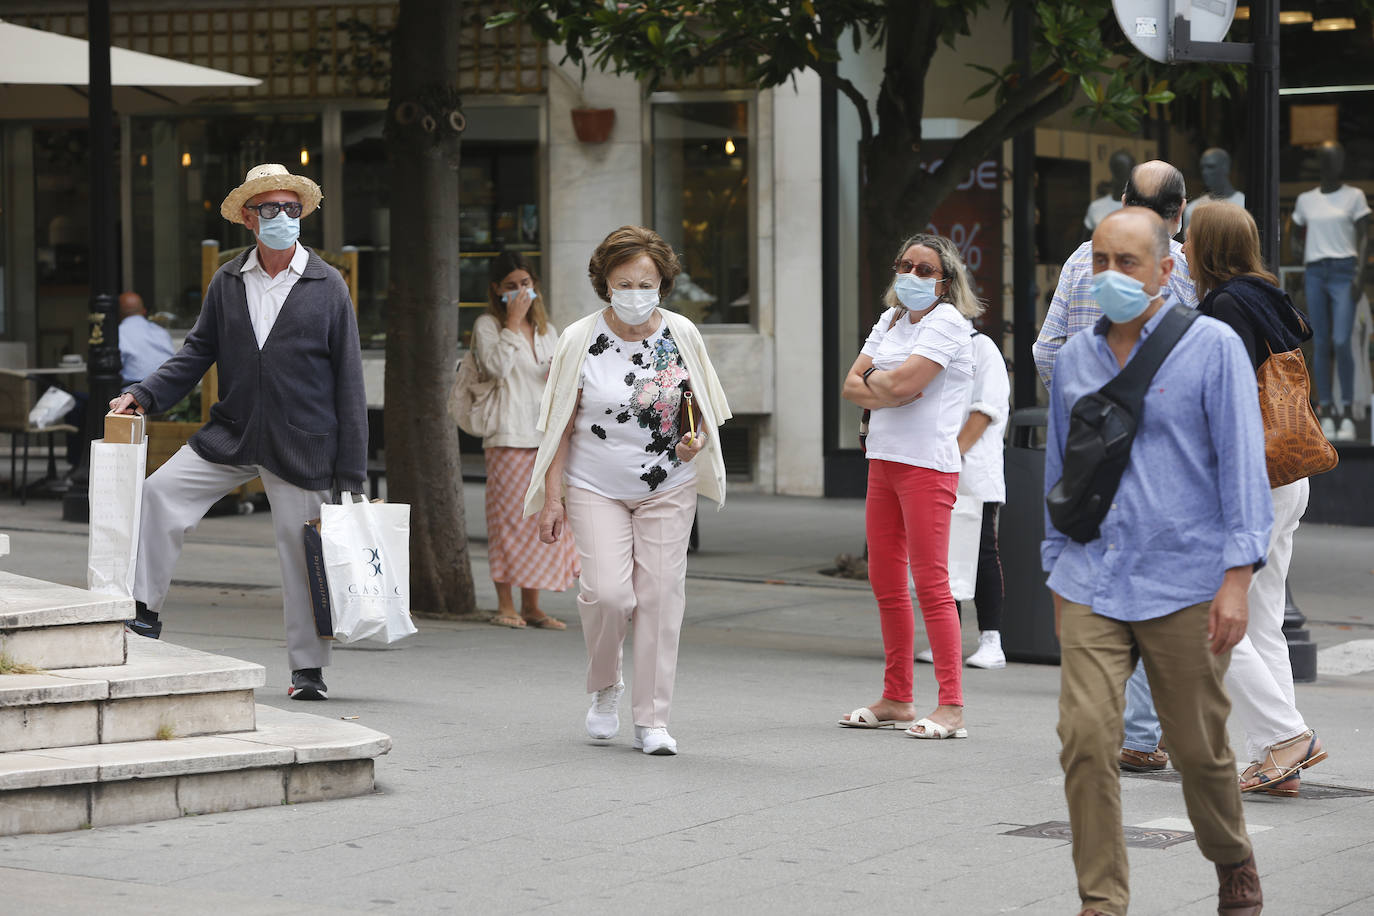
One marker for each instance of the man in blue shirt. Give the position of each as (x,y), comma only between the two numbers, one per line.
(143,346)
(1166,580)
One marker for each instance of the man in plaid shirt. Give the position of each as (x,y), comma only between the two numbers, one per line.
(1154,184)
(1158,186)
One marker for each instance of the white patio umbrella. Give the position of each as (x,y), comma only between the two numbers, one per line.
(44,75)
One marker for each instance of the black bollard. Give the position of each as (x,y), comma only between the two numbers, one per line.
(1302,651)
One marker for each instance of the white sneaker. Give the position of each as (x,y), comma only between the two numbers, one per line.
(655,741)
(1346,431)
(989,654)
(925,655)
(1328,427)
(603,719)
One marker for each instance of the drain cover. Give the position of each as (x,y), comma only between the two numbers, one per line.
(1139,837)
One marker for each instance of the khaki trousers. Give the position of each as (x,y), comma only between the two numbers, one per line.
(1098,654)
(634,565)
(175,499)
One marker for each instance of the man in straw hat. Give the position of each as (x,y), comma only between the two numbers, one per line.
(279,323)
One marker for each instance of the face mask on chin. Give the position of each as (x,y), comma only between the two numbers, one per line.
(280,232)
(634,306)
(1122,298)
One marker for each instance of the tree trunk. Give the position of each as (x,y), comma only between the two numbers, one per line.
(424,130)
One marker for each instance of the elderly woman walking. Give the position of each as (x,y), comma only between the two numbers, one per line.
(629,417)
(514,343)
(914,373)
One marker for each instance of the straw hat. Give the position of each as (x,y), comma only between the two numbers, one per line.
(270,176)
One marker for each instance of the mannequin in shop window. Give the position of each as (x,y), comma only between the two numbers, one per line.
(1121,164)
(1331,232)
(1215,166)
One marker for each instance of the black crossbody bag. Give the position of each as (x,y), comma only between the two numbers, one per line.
(1102,427)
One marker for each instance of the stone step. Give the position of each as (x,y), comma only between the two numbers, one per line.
(289,758)
(161,690)
(57,626)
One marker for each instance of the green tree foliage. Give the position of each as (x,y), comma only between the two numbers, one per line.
(1079,53)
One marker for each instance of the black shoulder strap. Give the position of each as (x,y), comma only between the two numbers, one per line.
(1133,380)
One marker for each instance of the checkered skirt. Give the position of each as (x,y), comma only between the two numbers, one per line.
(516,555)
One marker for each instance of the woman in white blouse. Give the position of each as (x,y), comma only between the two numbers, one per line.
(914,374)
(622,466)
(514,342)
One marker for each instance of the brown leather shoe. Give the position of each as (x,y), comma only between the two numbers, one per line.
(1238,892)
(1143,761)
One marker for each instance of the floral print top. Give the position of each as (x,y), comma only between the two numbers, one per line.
(626,428)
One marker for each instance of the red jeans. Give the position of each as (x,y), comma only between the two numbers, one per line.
(907,518)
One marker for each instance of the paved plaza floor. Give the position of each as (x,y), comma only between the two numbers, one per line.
(495,801)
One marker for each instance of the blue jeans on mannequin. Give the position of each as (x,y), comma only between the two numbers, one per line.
(1142,724)
(1331,308)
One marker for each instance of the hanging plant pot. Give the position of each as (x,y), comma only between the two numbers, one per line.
(593,125)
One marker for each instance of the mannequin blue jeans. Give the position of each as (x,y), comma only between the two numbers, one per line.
(1331,308)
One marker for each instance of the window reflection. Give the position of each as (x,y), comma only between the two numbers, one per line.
(701,205)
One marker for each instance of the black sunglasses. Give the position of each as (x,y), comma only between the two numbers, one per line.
(270,209)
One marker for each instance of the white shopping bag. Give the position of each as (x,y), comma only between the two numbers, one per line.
(366,548)
(51,408)
(965,533)
(116,500)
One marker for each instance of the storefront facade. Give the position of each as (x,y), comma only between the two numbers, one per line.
(756,190)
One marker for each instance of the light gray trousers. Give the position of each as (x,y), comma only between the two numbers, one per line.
(175,499)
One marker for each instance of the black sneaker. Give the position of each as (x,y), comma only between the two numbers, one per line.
(307,684)
(145,622)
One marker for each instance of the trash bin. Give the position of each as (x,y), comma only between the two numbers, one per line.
(1028,622)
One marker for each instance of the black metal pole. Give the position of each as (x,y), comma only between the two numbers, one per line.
(1263,198)
(102,361)
(1263,91)
(1023,230)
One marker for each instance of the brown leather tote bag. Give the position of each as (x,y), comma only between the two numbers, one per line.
(1294,446)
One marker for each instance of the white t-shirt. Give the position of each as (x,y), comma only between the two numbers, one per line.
(1330,221)
(626,427)
(1236,197)
(266,294)
(982,476)
(925,432)
(1099,209)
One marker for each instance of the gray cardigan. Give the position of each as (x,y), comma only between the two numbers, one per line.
(297,406)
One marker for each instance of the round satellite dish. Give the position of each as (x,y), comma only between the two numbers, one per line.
(1147,23)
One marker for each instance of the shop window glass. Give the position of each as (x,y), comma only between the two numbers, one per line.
(181,170)
(701,205)
(62,239)
(498,206)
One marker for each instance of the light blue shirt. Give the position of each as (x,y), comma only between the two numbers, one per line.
(143,346)
(1194,500)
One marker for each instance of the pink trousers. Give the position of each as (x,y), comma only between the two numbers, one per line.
(634,566)
(907,517)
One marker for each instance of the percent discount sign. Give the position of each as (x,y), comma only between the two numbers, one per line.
(971,218)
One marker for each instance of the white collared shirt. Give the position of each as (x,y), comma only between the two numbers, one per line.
(266,293)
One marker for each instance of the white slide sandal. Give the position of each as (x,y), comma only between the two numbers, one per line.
(935,731)
(863,717)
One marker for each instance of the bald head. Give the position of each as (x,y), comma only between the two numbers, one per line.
(1141,223)
(1158,186)
(131,304)
(1134,241)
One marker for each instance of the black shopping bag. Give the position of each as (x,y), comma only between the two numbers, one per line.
(316,582)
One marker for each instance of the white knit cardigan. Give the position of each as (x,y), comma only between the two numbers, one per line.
(560,397)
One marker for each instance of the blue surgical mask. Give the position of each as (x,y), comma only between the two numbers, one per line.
(1122,298)
(916,293)
(507,297)
(280,232)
